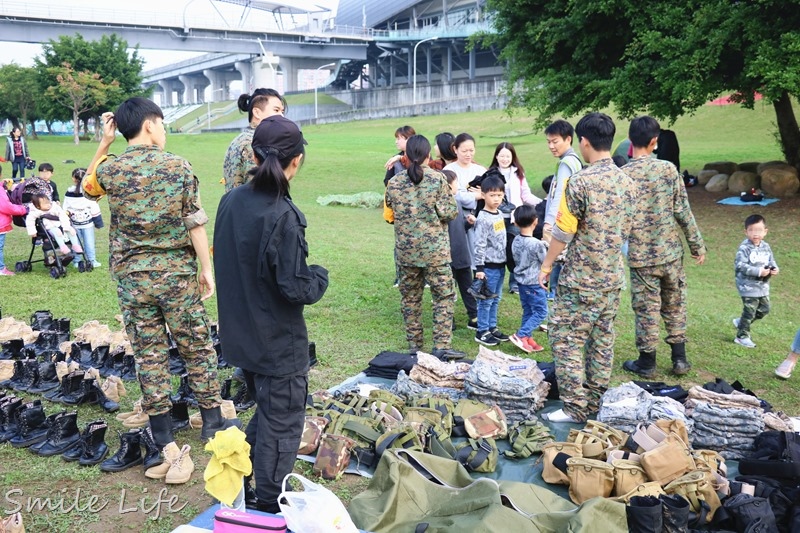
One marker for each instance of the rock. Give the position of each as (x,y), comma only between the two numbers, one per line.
(704,175)
(742,181)
(722,167)
(780,181)
(769,164)
(718,183)
(750,166)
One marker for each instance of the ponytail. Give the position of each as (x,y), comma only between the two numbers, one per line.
(418,150)
(269,175)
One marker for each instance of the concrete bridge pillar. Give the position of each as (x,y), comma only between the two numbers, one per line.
(219,86)
(245,68)
(166,87)
(290,68)
(189,95)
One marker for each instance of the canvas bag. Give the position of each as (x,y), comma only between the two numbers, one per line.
(696,487)
(233,521)
(402,436)
(314,510)
(490,423)
(526,438)
(668,461)
(333,456)
(313,427)
(589,478)
(463,410)
(550,473)
(627,476)
(478,455)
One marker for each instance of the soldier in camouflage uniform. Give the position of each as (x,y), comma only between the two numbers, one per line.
(594,218)
(655,251)
(239,160)
(422,204)
(157,235)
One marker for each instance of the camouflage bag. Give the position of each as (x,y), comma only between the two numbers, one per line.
(403,436)
(381,395)
(696,487)
(463,410)
(552,473)
(313,428)
(627,476)
(364,431)
(491,423)
(423,418)
(333,456)
(443,405)
(386,407)
(526,438)
(589,478)
(478,455)
(669,460)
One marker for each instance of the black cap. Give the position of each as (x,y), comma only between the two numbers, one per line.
(279,135)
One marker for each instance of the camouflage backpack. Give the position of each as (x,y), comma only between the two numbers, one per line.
(313,428)
(477,455)
(526,438)
(463,410)
(333,456)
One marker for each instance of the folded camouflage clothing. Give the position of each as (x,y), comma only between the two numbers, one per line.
(731,431)
(735,399)
(406,387)
(430,370)
(624,407)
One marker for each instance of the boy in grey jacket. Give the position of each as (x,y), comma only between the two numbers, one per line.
(754,266)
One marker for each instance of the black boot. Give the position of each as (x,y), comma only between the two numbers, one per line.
(644,515)
(74,453)
(46,341)
(99,357)
(61,326)
(213,421)
(62,435)
(115,364)
(680,365)
(109,406)
(81,353)
(50,423)
(674,513)
(31,425)
(128,368)
(176,364)
(185,393)
(8,417)
(225,390)
(95,448)
(41,320)
(152,455)
(645,366)
(17,377)
(180,416)
(128,455)
(30,375)
(84,394)
(48,379)
(12,349)
(243,401)
(70,384)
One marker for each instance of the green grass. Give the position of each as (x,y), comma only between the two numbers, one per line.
(359,316)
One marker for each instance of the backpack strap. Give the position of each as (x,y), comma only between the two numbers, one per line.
(482,450)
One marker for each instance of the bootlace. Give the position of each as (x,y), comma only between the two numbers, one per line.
(178,462)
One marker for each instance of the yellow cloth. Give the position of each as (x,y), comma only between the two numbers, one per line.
(565,220)
(90,185)
(229,464)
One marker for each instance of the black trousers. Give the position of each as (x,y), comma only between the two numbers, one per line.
(463,277)
(275,430)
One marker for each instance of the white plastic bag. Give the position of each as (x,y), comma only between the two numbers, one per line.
(314,510)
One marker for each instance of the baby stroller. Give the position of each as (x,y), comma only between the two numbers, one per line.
(57,263)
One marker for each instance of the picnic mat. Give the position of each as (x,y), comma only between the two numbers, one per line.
(735,200)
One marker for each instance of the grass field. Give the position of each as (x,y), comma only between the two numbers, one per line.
(359,316)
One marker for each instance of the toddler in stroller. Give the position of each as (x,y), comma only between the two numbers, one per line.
(54,221)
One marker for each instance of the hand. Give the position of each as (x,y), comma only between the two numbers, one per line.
(699,259)
(470,219)
(206,281)
(480,275)
(544,277)
(109,127)
(765,272)
(390,163)
(547,227)
(775,270)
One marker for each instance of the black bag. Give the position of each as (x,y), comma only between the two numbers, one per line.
(776,455)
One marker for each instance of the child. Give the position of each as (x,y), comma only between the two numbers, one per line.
(41,205)
(529,253)
(396,164)
(490,259)
(460,260)
(541,208)
(754,265)
(46,174)
(7,210)
(84,214)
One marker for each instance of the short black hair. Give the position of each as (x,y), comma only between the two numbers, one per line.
(643,130)
(36,199)
(546,183)
(525,216)
(492,184)
(132,113)
(561,128)
(598,129)
(46,167)
(449,175)
(752,220)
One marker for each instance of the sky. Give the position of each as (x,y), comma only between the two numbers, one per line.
(24,53)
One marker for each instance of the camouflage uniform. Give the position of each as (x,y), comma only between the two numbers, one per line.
(239,160)
(422,248)
(655,251)
(594,218)
(153,199)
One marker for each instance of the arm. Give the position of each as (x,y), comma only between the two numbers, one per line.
(556,194)
(683,216)
(528,198)
(481,236)
(446,206)
(30,221)
(91,188)
(742,263)
(205,277)
(298,282)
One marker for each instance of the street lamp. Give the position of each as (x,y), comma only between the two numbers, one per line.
(414,90)
(208,103)
(316,113)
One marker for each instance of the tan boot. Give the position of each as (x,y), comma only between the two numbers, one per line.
(137,408)
(138,418)
(92,373)
(109,388)
(12,524)
(227,409)
(7,371)
(180,471)
(120,385)
(195,421)
(170,453)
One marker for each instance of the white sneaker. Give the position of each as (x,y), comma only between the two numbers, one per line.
(745,341)
(736,323)
(559,416)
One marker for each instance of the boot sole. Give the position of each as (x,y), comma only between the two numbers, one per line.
(120,469)
(638,371)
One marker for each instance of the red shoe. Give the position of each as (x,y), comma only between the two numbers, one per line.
(533,345)
(520,343)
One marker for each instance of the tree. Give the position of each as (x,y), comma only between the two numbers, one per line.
(80,92)
(19,101)
(662,58)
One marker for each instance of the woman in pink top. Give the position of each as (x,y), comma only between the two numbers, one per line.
(7,210)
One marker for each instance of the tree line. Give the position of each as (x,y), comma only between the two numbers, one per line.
(72,80)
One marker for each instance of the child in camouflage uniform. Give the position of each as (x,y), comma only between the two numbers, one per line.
(754,266)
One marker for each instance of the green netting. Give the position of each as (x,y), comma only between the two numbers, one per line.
(364,200)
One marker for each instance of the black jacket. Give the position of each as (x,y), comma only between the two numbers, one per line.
(263,282)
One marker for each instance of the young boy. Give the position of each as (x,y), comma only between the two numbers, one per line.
(56,223)
(529,252)
(460,260)
(754,265)
(46,172)
(490,259)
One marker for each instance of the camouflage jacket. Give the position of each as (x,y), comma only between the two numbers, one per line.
(154,200)
(594,218)
(750,259)
(661,207)
(421,214)
(239,160)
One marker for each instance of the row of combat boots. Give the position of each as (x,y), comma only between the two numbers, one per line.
(108,363)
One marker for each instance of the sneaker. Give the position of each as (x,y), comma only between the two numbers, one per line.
(499,335)
(396,284)
(533,345)
(6,272)
(543,327)
(736,323)
(96,264)
(472,324)
(514,289)
(486,338)
(520,343)
(745,341)
(784,370)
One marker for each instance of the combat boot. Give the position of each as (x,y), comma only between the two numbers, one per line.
(61,436)
(46,341)
(225,389)
(110,388)
(243,401)
(41,320)
(61,326)
(12,349)
(152,455)
(49,422)
(81,353)
(128,368)
(99,357)
(645,366)
(644,515)
(99,397)
(161,433)
(115,364)
(180,416)
(129,453)
(16,376)
(30,375)
(674,513)
(8,417)
(137,419)
(69,383)
(185,393)
(213,421)
(181,468)
(680,365)
(95,448)
(83,394)
(176,364)
(31,425)
(47,379)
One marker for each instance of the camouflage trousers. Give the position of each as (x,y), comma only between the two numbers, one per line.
(659,292)
(412,285)
(581,331)
(753,308)
(151,302)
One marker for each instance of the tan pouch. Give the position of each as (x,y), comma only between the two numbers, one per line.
(697,488)
(627,476)
(313,427)
(651,488)
(589,478)
(673,426)
(593,446)
(606,433)
(668,461)
(613,455)
(550,473)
